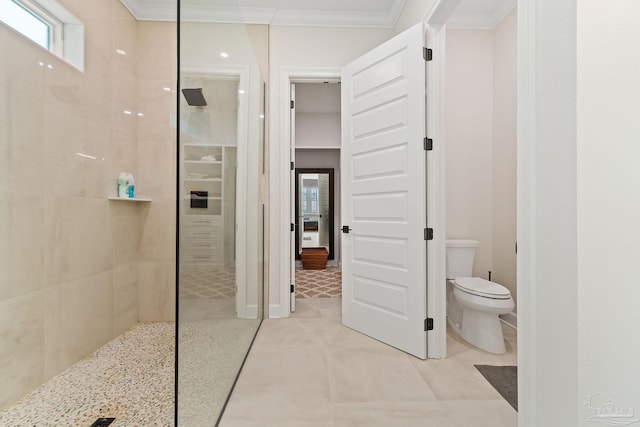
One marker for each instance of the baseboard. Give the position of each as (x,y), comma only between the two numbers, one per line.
(275,312)
(251,311)
(510,319)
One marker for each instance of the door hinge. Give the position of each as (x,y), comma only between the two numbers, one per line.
(293,227)
(428,144)
(293,104)
(427,54)
(428,324)
(293,288)
(293,165)
(428,234)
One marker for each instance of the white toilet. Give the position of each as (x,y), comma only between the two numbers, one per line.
(474,304)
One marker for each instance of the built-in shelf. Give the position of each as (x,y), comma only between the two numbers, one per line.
(129,199)
(204,162)
(202,198)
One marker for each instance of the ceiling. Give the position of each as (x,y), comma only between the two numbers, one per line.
(349,13)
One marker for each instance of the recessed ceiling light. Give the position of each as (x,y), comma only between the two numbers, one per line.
(140,114)
(224,54)
(241,91)
(166,89)
(127,112)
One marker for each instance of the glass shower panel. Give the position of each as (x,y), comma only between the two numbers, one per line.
(220,222)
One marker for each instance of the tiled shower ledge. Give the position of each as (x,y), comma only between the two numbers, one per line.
(129,199)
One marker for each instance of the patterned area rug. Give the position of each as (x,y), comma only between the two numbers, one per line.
(325,283)
(220,284)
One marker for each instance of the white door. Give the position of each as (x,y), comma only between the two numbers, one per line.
(384,193)
(292,204)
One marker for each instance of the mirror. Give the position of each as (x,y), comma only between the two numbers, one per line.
(314,210)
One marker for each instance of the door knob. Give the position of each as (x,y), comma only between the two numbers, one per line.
(346,229)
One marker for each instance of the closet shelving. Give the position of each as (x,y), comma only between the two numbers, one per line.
(202,239)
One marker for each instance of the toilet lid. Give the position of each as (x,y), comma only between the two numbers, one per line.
(481,287)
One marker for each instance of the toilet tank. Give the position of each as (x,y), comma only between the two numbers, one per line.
(460,254)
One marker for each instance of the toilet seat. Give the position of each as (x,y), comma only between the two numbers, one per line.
(481,287)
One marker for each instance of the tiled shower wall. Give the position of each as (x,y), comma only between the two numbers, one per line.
(75,268)
(157,169)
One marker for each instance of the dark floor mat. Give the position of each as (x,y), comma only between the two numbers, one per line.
(504,379)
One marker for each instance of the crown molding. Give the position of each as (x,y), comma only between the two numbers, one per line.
(166,11)
(151,11)
(481,21)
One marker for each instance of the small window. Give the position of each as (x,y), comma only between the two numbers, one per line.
(48,24)
(26,22)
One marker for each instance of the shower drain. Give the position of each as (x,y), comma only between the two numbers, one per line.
(103,422)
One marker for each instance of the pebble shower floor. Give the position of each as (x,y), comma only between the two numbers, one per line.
(130,379)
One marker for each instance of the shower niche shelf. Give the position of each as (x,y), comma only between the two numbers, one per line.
(129,199)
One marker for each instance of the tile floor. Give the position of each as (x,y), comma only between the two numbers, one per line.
(305,371)
(215,284)
(309,371)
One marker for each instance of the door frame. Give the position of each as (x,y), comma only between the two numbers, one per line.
(287,77)
(436,19)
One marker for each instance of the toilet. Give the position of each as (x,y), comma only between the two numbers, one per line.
(473,303)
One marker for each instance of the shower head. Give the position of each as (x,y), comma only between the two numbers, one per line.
(194,97)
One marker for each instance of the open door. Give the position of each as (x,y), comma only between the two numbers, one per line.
(384,193)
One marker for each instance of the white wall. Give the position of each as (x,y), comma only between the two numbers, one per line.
(318,130)
(547,231)
(504,151)
(413,12)
(300,48)
(318,115)
(469,130)
(608,202)
(481,145)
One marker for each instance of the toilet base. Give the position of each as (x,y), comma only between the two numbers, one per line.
(482,330)
(479,323)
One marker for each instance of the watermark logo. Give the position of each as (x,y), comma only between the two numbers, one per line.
(607,411)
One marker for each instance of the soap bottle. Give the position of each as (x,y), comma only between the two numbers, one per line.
(123,182)
(131,190)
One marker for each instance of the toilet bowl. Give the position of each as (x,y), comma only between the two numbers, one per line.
(482,302)
(474,304)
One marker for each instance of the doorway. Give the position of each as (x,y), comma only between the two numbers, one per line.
(315,189)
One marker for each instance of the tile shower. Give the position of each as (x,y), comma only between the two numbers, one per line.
(88,284)
(77,270)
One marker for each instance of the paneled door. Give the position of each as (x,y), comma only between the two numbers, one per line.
(384,193)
